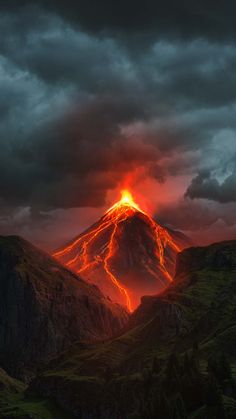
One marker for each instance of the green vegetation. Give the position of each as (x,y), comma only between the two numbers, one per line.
(176,388)
(14,403)
(182,354)
(177,361)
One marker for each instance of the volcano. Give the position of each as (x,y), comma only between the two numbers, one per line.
(126,253)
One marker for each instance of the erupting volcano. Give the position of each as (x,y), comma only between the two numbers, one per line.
(126,253)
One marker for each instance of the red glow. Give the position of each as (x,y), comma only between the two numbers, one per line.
(125,208)
(126,200)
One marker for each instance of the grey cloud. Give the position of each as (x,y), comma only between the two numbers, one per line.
(83,102)
(152,19)
(207,187)
(188,215)
(176,73)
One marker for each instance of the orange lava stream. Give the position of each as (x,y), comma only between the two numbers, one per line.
(109,256)
(117,214)
(93,234)
(114,220)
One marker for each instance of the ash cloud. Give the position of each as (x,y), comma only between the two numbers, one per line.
(203,220)
(88,96)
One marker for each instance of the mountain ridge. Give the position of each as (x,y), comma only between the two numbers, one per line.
(45,307)
(191,325)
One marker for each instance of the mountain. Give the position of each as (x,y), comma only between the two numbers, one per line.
(175,359)
(126,253)
(44,308)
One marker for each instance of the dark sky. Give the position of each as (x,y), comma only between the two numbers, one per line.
(98,92)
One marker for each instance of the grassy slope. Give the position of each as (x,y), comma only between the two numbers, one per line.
(200,306)
(15,404)
(204,301)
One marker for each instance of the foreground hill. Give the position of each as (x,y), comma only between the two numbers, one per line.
(177,358)
(44,308)
(15,405)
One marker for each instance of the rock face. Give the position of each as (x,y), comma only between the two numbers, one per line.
(217,257)
(203,291)
(44,308)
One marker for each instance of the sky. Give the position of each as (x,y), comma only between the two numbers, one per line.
(99,95)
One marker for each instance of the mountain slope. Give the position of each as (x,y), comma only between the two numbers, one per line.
(15,404)
(202,300)
(126,253)
(44,307)
(125,375)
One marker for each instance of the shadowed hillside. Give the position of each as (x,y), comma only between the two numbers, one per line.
(178,358)
(44,308)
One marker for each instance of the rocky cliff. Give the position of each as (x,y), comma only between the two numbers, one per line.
(44,308)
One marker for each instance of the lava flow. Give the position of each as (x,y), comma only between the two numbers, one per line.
(126,253)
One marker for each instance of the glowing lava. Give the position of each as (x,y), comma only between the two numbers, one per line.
(99,245)
(126,200)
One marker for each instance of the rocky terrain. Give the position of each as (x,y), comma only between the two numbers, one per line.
(177,357)
(44,308)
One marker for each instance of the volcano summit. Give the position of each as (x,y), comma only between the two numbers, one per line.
(126,253)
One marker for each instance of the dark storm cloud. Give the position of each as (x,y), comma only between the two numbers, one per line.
(163,18)
(186,73)
(91,92)
(207,187)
